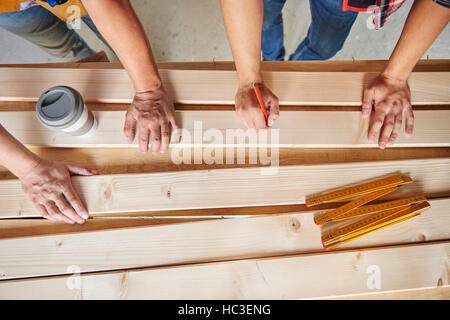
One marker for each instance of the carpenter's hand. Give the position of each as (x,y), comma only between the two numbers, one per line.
(49,187)
(154,114)
(390,99)
(249,111)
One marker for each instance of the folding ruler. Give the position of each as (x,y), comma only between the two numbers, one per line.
(380,215)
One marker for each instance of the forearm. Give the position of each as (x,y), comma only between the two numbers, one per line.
(118,23)
(14,155)
(425,22)
(243,23)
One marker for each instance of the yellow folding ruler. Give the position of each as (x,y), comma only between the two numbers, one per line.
(379,215)
(372,223)
(369,191)
(389,182)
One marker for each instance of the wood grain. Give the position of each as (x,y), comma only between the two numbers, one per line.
(293,277)
(294,129)
(198,242)
(239,187)
(439,293)
(213,86)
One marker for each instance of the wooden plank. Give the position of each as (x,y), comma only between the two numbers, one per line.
(215,87)
(240,187)
(435,65)
(439,293)
(296,129)
(198,242)
(293,277)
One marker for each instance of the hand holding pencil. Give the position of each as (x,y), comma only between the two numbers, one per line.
(257,106)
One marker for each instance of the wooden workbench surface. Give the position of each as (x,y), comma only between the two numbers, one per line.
(284,227)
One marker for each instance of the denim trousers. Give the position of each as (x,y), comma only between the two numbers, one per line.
(326,35)
(44,29)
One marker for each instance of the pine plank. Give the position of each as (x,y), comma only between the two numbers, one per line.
(439,293)
(292,277)
(195,242)
(215,86)
(305,129)
(240,187)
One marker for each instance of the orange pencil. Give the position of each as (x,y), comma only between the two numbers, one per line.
(261,103)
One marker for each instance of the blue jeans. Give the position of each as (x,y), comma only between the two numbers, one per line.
(44,29)
(329,28)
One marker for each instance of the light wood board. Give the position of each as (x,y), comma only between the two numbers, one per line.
(439,293)
(292,277)
(215,87)
(200,241)
(305,129)
(240,187)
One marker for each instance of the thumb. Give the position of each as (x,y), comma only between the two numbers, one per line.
(78,169)
(130,127)
(368,97)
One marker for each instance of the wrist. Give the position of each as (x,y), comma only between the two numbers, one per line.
(249,80)
(398,74)
(153,84)
(26,164)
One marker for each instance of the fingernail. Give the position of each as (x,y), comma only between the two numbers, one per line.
(365,112)
(85,216)
(383,145)
(80,221)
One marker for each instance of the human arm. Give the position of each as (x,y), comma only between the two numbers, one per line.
(46,183)
(152,109)
(387,98)
(243,24)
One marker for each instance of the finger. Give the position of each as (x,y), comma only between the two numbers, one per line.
(78,169)
(409,118)
(67,210)
(165,137)
(143,138)
(376,122)
(130,127)
(54,212)
(397,129)
(274,111)
(175,129)
(386,131)
(367,102)
(44,212)
(75,202)
(155,136)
